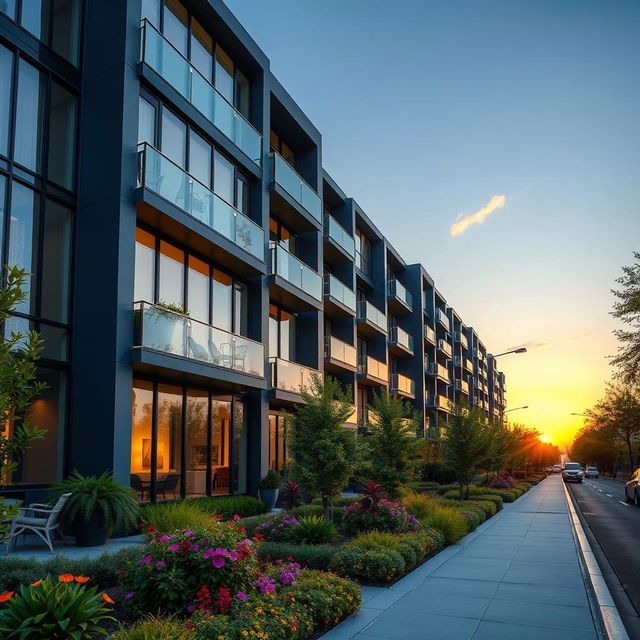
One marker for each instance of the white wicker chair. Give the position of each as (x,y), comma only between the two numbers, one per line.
(41,519)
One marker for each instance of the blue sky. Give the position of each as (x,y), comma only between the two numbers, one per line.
(429,109)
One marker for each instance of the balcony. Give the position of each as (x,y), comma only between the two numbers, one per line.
(285,267)
(442,373)
(290,376)
(479,355)
(429,335)
(338,298)
(371,320)
(400,299)
(462,339)
(373,371)
(288,179)
(340,354)
(400,342)
(162,177)
(441,317)
(445,347)
(462,386)
(438,401)
(339,236)
(402,385)
(165,331)
(161,56)
(468,365)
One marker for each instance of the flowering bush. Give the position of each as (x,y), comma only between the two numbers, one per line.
(54,610)
(368,565)
(174,568)
(280,528)
(293,612)
(503,482)
(384,516)
(471,518)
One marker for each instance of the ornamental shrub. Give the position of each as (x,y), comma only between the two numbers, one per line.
(314,530)
(371,540)
(449,521)
(251,523)
(54,609)
(490,496)
(368,565)
(278,528)
(152,628)
(315,556)
(168,517)
(174,568)
(228,506)
(471,518)
(419,504)
(338,502)
(386,516)
(336,513)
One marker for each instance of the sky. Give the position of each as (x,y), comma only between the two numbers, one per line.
(521,116)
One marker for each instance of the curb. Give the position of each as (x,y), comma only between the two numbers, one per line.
(603,609)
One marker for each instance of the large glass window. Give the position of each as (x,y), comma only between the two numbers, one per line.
(174,137)
(224,74)
(224,177)
(6,74)
(239,450)
(222,300)
(144,288)
(200,158)
(175,25)
(282,333)
(28,128)
(363,252)
(199,287)
(278,448)
(201,50)
(171,274)
(33,16)
(141,435)
(197,442)
(151,11)
(62,136)
(146,122)
(169,445)
(220,447)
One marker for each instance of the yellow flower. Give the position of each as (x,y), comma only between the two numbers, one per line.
(245,633)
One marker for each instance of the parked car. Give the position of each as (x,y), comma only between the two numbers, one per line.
(591,472)
(572,472)
(557,468)
(632,488)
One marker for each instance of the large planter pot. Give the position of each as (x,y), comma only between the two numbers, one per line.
(269,497)
(91,532)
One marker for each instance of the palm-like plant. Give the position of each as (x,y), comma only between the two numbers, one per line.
(102,495)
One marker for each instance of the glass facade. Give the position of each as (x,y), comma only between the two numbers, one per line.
(278,447)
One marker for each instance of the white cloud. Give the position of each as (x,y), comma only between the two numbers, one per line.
(496,202)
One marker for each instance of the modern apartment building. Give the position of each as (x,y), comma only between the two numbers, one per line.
(194,264)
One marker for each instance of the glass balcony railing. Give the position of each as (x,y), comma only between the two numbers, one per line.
(163,330)
(399,292)
(334,230)
(441,317)
(468,365)
(445,347)
(287,177)
(173,67)
(429,334)
(462,385)
(401,338)
(294,271)
(339,291)
(462,339)
(367,312)
(402,384)
(290,376)
(161,176)
(442,372)
(373,368)
(336,349)
(479,355)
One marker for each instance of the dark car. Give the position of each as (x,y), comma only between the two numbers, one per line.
(632,488)
(572,472)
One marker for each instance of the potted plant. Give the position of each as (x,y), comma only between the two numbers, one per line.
(268,487)
(160,322)
(96,507)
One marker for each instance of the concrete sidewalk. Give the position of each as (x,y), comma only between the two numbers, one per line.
(516,576)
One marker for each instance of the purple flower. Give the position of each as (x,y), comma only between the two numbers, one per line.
(188,533)
(265,584)
(241,595)
(217,556)
(164,538)
(160,564)
(147,559)
(129,595)
(195,548)
(233,556)
(174,547)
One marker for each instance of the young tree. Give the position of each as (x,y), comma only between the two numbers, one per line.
(327,453)
(465,444)
(392,441)
(627,309)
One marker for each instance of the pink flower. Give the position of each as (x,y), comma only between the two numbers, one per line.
(217,555)
(241,595)
(147,559)
(164,538)
(236,517)
(233,556)
(160,564)
(174,547)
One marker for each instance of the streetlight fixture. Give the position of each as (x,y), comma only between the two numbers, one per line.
(586,415)
(505,353)
(526,406)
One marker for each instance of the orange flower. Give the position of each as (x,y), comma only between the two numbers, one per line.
(66,577)
(106,598)
(5,596)
(36,583)
(82,579)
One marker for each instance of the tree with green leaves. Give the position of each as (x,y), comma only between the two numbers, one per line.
(392,441)
(327,453)
(466,443)
(627,309)
(19,384)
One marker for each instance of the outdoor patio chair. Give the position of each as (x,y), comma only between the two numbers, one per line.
(198,351)
(169,484)
(138,484)
(41,519)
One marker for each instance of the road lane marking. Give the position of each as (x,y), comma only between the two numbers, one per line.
(609,495)
(626,504)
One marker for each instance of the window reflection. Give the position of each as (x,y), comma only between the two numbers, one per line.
(27,135)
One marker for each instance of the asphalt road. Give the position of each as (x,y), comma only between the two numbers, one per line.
(616,526)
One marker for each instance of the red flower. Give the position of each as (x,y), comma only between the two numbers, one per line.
(151,529)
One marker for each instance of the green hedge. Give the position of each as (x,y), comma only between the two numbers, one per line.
(311,556)
(228,506)
(316,510)
(478,497)
(368,565)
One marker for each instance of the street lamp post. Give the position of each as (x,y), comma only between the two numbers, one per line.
(506,353)
(526,406)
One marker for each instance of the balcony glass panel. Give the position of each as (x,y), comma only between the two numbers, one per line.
(291,376)
(160,175)
(468,365)
(401,337)
(163,330)
(293,270)
(339,234)
(462,385)
(441,317)
(287,177)
(366,311)
(339,291)
(443,372)
(429,334)
(339,350)
(397,290)
(462,339)
(168,63)
(403,384)
(445,347)
(374,368)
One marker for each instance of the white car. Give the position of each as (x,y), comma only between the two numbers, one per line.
(591,472)
(557,468)
(572,472)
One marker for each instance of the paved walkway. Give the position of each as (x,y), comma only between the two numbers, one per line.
(32,547)
(516,576)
